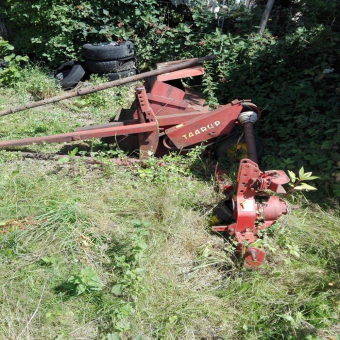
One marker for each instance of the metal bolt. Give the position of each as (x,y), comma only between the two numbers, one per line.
(253,254)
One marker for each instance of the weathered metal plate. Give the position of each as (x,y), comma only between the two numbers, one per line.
(185,73)
(207,126)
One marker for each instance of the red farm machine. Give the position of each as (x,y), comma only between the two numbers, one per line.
(168,117)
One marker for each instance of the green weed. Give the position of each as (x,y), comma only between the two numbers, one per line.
(87,281)
(34,84)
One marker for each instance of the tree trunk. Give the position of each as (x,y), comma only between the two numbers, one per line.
(247,4)
(265,16)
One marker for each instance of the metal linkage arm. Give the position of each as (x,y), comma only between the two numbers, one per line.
(84,134)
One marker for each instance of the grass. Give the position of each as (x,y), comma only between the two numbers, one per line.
(106,252)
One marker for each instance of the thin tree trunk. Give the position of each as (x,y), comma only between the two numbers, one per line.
(265,16)
(247,4)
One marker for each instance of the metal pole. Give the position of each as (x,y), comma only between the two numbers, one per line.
(105,86)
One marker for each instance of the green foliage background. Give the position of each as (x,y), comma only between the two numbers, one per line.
(291,73)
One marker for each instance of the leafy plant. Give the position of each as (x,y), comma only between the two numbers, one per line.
(126,261)
(166,169)
(127,257)
(66,159)
(10,70)
(297,182)
(87,281)
(34,80)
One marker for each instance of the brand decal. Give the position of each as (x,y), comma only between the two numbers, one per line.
(202,129)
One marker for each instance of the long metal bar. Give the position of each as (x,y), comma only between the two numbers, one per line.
(166,120)
(105,86)
(81,135)
(108,125)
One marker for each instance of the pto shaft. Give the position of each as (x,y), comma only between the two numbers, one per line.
(248,119)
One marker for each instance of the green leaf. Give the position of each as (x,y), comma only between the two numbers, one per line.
(73,152)
(138,337)
(63,160)
(292,176)
(113,336)
(139,271)
(286,317)
(311,178)
(327,145)
(304,186)
(9,57)
(117,289)
(301,172)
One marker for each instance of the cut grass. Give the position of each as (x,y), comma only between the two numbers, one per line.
(179,281)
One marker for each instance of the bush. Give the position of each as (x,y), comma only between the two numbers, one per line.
(10,70)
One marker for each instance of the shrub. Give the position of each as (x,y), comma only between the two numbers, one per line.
(10,70)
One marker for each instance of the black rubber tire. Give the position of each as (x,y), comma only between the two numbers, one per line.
(111,66)
(221,149)
(119,75)
(107,51)
(70,74)
(66,65)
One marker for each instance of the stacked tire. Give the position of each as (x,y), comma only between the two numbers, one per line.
(111,59)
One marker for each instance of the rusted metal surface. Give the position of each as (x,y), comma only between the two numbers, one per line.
(195,99)
(160,103)
(167,120)
(177,118)
(192,72)
(148,141)
(253,257)
(91,89)
(253,208)
(167,91)
(107,125)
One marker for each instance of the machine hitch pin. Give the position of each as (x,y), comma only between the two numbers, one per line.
(253,254)
(248,119)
